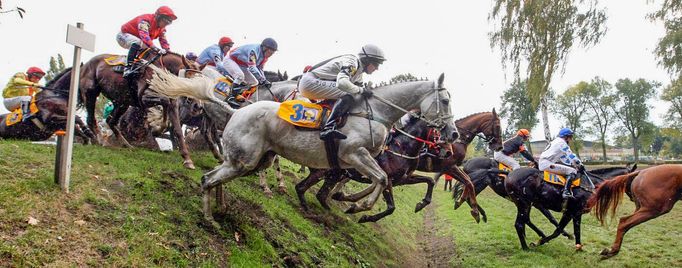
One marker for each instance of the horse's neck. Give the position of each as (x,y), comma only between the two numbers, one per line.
(417,129)
(467,132)
(406,95)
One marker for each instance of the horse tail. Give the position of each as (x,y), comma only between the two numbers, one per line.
(199,87)
(609,194)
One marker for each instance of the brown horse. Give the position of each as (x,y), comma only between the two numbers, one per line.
(98,77)
(52,103)
(654,190)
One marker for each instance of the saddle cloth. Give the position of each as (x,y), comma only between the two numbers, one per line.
(225,83)
(504,167)
(302,113)
(115,60)
(17,115)
(557,179)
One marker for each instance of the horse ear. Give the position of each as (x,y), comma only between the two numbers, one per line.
(494,112)
(634,167)
(286,76)
(441,78)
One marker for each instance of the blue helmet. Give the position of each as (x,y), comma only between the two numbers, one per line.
(269,43)
(564,132)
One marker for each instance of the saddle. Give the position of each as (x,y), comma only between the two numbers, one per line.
(225,83)
(557,179)
(118,62)
(308,115)
(503,167)
(17,115)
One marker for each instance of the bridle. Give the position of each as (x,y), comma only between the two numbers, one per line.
(438,122)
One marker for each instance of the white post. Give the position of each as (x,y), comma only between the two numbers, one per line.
(78,39)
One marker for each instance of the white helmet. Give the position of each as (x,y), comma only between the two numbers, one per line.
(372,52)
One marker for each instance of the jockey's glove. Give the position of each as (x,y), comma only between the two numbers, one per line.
(162,51)
(266,83)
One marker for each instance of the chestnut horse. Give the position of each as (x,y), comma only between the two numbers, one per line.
(98,77)
(52,104)
(654,190)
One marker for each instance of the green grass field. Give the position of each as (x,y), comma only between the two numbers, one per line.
(133,207)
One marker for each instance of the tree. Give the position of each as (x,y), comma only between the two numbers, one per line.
(539,34)
(632,108)
(669,47)
(673,94)
(516,109)
(19,10)
(600,99)
(571,106)
(56,67)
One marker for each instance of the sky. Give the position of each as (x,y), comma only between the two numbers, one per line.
(424,39)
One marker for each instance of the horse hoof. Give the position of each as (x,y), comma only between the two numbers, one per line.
(533,244)
(212,223)
(421,205)
(578,247)
(267,193)
(477,217)
(352,209)
(189,165)
(485,218)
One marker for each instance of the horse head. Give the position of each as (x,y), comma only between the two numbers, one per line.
(494,133)
(435,108)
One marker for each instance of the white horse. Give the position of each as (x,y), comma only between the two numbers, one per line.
(255,133)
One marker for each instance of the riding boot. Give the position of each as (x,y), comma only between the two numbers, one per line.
(26,110)
(130,61)
(341,107)
(234,91)
(567,193)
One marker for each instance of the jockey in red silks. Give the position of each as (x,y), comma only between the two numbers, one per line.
(142,30)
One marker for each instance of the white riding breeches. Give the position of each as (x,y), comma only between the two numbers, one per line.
(126,40)
(211,72)
(239,74)
(507,160)
(14,103)
(312,87)
(556,168)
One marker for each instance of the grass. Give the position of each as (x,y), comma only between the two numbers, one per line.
(133,207)
(495,244)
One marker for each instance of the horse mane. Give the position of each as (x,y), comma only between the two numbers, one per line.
(402,81)
(57,78)
(471,115)
(606,170)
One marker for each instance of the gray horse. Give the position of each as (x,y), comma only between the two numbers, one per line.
(255,134)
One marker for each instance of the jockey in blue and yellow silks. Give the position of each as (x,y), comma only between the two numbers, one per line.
(20,89)
(245,65)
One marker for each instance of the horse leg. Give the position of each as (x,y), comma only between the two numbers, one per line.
(469,191)
(281,186)
(330,185)
(112,121)
(174,116)
(90,103)
(626,223)
(577,219)
(313,178)
(414,179)
(533,227)
(390,207)
(552,220)
(522,210)
(262,182)
(213,178)
(565,219)
(208,133)
(364,163)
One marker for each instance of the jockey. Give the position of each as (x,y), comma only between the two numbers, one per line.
(140,32)
(20,89)
(191,56)
(245,66)
(559,152)
(338,78)
(213,57)
(512,146)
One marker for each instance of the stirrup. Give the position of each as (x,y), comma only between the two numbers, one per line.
(332,134)
(232,102)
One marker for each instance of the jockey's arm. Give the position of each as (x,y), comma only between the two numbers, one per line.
(526,154)
(163,41)
(23,82)
(571,156)
(253,67)
(344,83)
(143,29)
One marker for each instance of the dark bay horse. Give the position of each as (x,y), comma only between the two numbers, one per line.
(98,77)
(399,160)
(654,190)
(52,103)
(526,187)
(484,172)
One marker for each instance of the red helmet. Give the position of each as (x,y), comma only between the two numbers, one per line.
(166,11)
(225,41)
(523,132)
(307,68)
(35,71)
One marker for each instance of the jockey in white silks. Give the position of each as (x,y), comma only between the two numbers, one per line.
(558,158)
(340,78)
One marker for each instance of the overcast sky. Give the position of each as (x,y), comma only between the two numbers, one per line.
(424,38)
